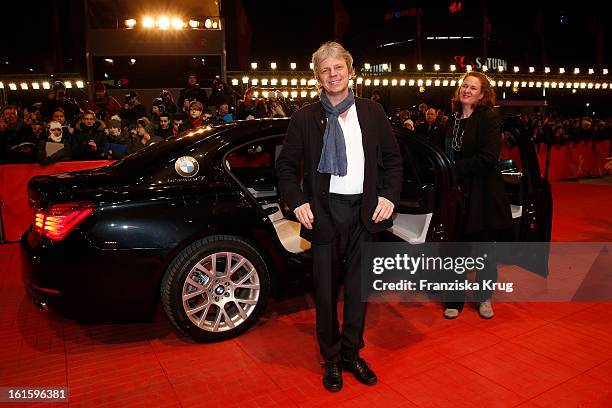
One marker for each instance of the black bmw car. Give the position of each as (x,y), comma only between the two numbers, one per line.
(197,223)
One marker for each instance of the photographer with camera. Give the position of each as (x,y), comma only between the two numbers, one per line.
(57,99)
(167,99)
(132,109)
(221,93)
(193,92)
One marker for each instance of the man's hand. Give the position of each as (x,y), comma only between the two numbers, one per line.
(383,210)
(92,145)
(304,215)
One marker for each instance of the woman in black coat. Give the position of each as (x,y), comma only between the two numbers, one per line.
(473,143)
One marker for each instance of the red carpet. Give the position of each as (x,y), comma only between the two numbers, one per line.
(529,355)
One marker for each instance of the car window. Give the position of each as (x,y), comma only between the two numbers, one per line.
(160,151)
(254,164)
(418,168)
(509,154)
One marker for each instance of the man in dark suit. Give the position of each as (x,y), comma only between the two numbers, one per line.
(352,175)
(430,129)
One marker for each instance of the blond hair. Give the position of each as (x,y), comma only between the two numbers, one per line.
(327,50)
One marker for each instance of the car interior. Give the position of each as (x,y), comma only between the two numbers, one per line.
(512,172)
(254,166)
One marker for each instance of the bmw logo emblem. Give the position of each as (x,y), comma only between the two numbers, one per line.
(186,166)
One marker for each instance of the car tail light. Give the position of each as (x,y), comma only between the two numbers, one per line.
(57,221)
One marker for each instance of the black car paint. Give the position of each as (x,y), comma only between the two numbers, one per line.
(146,214)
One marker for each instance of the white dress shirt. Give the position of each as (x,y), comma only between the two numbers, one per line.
(352,183)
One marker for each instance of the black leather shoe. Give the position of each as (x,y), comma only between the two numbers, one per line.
(332,379)
(361,370)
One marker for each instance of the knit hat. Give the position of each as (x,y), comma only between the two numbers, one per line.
(55,125)
(114,123)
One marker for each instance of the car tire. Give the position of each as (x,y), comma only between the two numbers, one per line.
(209,301)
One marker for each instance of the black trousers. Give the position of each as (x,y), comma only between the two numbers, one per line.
(487,273)
(336,263)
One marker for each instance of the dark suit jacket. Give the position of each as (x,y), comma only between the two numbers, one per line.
(304,142)
(478,172)
(434,134)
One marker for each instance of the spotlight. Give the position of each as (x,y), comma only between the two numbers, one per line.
(68,84)
(273,65)
(208,23)
(531,70)
(194,23)
(177,23)
(24,86)
(163,23)
(46,85)
(293,65)
(253,65)
(80,84)
(419,67)
(148,22)
(402,67)
(436,67)
(35,85)
(130,23)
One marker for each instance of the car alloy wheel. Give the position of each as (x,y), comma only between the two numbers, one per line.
(215,288)
(221,291)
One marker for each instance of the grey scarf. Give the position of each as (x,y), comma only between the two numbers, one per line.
(333,155)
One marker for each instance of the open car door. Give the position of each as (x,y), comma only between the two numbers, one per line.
(427,210)
(529,195)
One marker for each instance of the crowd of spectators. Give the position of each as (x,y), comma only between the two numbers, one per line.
(58,129)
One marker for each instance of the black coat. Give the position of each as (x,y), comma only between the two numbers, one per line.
(433,133)
(478,172)
(304,142)
(81,137)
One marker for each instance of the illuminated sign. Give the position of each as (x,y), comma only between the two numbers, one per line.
(491,63)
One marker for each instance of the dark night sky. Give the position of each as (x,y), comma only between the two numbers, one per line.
(289,30)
